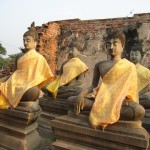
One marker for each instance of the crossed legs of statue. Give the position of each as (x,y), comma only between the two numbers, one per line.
(145,100)
(29,101)
(130,110)
(31,94)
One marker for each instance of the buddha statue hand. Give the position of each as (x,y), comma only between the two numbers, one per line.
(79,104)
(76,103)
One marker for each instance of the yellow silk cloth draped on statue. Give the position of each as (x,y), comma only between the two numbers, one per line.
(3,102)
(143,76)
(73,68)
(32,70)
(119,82)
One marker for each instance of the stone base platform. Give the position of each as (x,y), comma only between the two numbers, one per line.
(58,106)
(18,129)
(17,139)
(64,145)
(77,131)
(50,109)
(146,120)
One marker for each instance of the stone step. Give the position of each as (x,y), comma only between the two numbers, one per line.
(65,145)
(49,116)
(15,131)
(30,142)
(19,114)
(14,121)
(119,136)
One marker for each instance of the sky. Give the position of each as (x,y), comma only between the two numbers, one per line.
(17,15)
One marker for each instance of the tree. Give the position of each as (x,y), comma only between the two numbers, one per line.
(11,58)
(2,50)
(2,60)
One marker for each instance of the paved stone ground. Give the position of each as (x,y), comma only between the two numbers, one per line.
(45,145)
(47,139)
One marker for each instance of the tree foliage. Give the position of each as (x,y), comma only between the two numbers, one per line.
(2,50)
(6,62)
(2,60)
(10,59)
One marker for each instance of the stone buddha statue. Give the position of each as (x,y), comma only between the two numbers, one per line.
(32,71)
(18,97)
(143,73)
(117,96)
(69,81)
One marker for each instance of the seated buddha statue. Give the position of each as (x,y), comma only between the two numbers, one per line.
(69,81)
(117,96)
(143,73)
(32,72)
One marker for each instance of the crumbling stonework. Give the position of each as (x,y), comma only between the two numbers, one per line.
(47,43)
(89,36)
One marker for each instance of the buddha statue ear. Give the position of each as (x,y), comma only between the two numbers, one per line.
(32,32)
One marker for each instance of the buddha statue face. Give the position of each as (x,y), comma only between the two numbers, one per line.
(73,52)
(29,43)
(135,56)
(114,47)
(136,53)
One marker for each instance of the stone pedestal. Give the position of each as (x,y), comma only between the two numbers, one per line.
(75,132)
(53,107)
(145,102)
(50,109)
(146,120)
(18,129)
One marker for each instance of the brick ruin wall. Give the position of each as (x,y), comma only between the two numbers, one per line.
(89,35)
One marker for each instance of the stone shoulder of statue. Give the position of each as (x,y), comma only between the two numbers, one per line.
(104,66)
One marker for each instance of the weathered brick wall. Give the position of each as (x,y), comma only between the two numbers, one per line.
(89,37)
(48,42)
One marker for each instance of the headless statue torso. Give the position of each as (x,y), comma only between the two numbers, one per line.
(74,87)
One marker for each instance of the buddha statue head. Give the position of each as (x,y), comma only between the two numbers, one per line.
(116,33)
(136,54)
(73,51)
(30,38)
(115,43)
